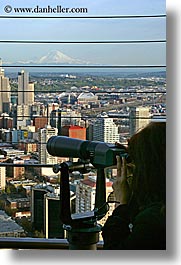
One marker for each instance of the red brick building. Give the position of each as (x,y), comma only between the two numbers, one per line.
(28,146)
(40,122)
(74,131)
(6,122)
(15,172)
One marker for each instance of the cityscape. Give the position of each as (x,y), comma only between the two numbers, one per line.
(94,71)
(105,107)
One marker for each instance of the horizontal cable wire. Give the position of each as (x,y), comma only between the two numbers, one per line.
(16,143)
(85,17)
(91,116)
(100,92)
(84,66)
(82,42)
(38,143)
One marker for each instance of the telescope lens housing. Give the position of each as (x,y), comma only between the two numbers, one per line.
(64,146)
(99,153)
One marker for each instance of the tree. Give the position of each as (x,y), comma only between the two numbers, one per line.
(2,204)
(39,234)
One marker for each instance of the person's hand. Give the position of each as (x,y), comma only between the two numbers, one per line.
(122,191)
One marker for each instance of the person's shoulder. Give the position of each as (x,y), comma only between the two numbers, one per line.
(153,214)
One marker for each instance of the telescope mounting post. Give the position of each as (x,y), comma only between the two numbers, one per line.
(82,231)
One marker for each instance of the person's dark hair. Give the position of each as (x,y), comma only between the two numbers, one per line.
(147,149)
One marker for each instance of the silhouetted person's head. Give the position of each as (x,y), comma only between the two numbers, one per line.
(147,149)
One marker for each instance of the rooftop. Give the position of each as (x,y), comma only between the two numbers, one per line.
(7,225)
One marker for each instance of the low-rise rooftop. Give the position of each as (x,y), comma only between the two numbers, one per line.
(9,227)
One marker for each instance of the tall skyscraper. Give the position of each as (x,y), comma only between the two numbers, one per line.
(43,136)
(31,93)
(105,130)
(5,88)
(139,118)
(25,99)
(23,80)
(25,89)
(2,178)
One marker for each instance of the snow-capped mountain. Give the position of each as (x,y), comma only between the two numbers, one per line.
(52,57)
(57,57)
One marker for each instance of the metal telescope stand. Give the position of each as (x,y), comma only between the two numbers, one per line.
(82,229)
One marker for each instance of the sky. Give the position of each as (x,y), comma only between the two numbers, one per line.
(82,29)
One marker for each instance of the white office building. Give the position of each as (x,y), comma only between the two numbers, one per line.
(23,116)
(139,118)
(43,136)
(85,196)
(105,130)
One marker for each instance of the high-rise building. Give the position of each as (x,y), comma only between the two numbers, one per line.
(139,118)
(105,130)
(37,206)
(2,178)
(16,172)
(50,112)
(38,109)
(52,222)
(45,210)
(23,81)
(85,196)
(43,136)
(60,118)
(86,192)
(6,122)
(25,89)
(31,93)
(4,91)
(40,122)
(23,116)
(25,99)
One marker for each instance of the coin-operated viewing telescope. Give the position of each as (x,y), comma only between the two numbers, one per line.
(100,154)
(82,229)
